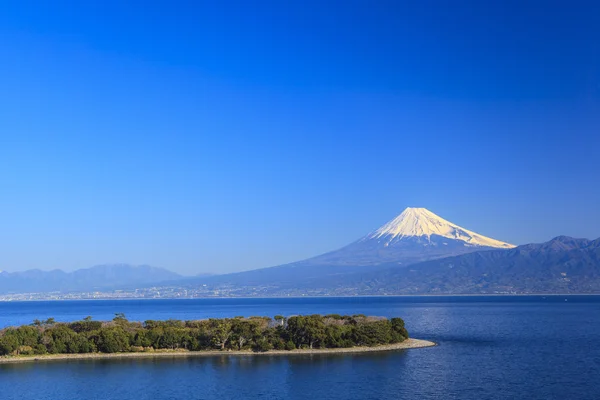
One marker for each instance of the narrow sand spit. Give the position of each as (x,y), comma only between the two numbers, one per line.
(407,344)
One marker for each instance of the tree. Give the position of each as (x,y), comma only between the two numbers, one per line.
(80,344)
(120,318)
(398,326)
(306,330)
(289,345)
(27,335)
(262,344)
(87,325)
(141,339)
(113,340)
(338,336)
(8,344)
(242,331)
(221,332)
(373,333)
(63,339)
(174,338)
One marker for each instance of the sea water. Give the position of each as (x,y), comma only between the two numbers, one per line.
(514,347)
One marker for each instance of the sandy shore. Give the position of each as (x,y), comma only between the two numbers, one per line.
(407,344)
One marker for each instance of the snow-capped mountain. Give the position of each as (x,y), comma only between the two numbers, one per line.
(415,235)
(422,223)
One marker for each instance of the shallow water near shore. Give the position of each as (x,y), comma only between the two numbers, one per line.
(517,347)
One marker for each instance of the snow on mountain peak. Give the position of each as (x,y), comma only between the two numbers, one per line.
(420,222)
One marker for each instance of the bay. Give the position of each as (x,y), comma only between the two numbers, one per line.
(517,347)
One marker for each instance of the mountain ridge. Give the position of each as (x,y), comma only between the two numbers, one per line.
(99,277)
(538,268)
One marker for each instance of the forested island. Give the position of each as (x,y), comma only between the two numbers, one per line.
(253,334)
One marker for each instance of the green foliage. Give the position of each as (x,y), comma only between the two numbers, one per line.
(262,344)
(61,339)
(243,331)
(25,351)
(26,335)
(398,327)
(8,344)
(338,336)
(221,332)
(373,333)
(87,325)
(239,333)
(289,345)
(142,339)
(119,317)
(39,349)
(113,340)
(306,330)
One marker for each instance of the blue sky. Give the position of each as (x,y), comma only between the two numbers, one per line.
(224,136)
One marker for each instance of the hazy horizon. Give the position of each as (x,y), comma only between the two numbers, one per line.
(193,273)
(197,139)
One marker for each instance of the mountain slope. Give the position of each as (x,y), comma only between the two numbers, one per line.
(562,265)
(101,277)
(415,235)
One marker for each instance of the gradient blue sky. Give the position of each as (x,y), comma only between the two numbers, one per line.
(223,136)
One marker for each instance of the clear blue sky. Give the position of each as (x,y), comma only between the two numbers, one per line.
(222,136)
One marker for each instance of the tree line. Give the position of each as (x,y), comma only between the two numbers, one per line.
(239,333)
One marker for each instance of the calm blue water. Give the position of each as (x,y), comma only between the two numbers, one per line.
(489,348)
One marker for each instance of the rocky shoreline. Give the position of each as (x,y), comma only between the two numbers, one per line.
(407,344)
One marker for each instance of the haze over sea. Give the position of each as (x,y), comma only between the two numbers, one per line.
(509,347)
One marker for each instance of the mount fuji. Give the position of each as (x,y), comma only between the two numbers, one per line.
(419,252)
(415,235)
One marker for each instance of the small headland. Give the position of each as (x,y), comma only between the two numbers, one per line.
(295,335)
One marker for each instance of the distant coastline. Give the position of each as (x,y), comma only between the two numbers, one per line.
(304,297)
(405,345)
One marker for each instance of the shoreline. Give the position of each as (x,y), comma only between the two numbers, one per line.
(407,344)
(311,297)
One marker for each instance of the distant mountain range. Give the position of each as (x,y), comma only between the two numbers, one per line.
(562,265)
(98,278)
(417,252)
